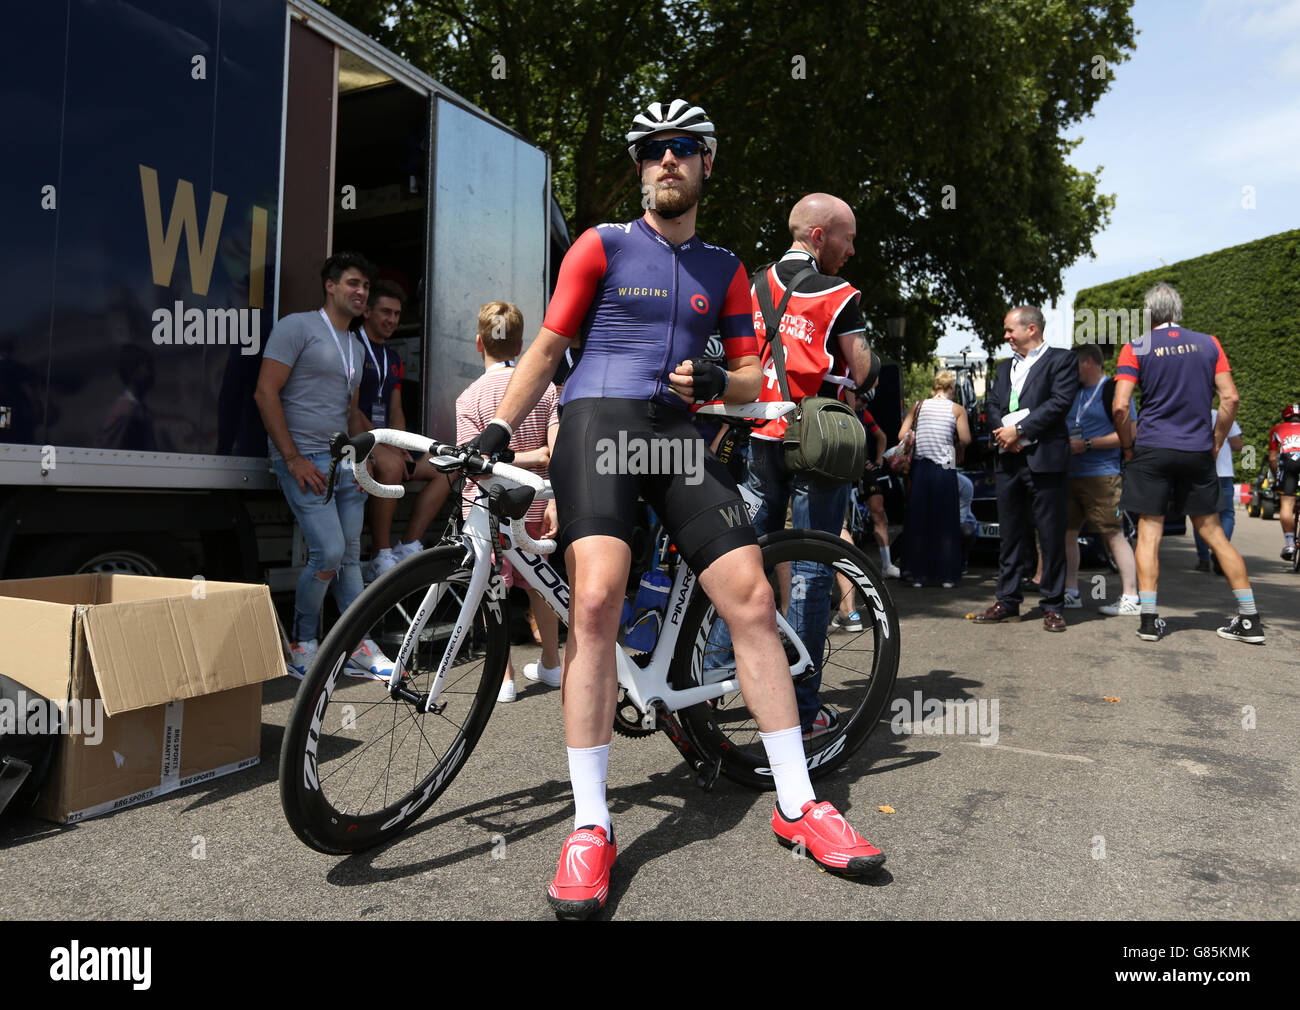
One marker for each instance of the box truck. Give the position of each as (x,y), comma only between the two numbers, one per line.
(177,175)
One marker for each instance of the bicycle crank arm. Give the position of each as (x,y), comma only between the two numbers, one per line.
(706,769)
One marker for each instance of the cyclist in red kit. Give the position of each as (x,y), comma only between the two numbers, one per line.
(1284,460)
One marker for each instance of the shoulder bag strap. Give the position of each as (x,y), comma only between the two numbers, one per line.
(772,317)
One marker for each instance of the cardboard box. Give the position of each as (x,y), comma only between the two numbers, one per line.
(175,665)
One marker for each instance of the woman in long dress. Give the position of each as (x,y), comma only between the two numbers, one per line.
(932,544)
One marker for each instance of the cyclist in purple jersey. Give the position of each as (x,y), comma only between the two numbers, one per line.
(644,297)
(623,287)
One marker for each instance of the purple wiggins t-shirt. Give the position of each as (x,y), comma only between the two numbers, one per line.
(1175,371)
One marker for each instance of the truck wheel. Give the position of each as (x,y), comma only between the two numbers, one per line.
(1266,510)
(110,555)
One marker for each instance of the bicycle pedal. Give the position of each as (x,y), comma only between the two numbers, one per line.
(707,772)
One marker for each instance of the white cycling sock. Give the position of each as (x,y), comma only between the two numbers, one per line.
(785,756)
(884,557)
(588,769)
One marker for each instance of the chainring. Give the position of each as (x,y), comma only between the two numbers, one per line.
(627,718)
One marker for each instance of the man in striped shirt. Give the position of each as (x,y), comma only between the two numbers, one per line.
(500,338)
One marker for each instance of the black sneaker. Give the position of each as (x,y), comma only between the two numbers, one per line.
(851,623)
(1151,628)
(1244,629)
(1202,566)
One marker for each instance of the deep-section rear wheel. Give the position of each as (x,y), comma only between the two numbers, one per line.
(858,668)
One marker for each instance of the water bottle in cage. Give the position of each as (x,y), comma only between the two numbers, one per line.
(648,611)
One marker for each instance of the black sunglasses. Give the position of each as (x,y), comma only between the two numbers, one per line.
(682,147)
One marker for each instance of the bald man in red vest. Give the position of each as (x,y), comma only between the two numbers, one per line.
(823,336)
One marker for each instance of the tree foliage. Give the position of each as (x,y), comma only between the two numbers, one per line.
(941,122)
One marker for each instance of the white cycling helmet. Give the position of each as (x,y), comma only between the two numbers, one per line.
(681,116)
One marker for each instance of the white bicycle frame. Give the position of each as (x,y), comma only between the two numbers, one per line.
(644,687)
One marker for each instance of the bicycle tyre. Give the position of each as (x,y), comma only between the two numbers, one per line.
(858,671)
(346,734)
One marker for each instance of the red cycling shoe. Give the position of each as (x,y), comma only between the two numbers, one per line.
(581,883)
(827,837)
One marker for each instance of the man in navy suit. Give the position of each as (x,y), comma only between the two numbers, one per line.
(1032,464)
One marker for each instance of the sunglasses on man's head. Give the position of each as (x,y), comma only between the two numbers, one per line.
(682,147)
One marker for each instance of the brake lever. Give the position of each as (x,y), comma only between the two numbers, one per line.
(330,481)
(337,441)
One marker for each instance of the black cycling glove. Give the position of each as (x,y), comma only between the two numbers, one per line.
(709,381)
(491,441)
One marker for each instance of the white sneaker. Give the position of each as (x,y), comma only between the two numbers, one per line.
(550,676)
(1125,606)
(891,572)
(370,660)
(407,550)
(301,656)
(1073,602)
(380,563)
(507,693)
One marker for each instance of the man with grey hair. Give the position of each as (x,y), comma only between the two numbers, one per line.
(1027,405)
(1173,455)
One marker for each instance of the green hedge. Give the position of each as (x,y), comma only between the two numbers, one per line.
(1249,297)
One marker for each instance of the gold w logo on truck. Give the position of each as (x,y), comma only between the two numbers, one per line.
(202,252)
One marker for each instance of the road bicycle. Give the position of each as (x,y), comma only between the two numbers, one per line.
(365,754)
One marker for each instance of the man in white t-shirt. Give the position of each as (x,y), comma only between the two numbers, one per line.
(1227,505)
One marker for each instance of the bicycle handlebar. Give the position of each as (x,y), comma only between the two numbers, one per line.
(362,444)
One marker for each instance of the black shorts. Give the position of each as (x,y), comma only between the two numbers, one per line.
(1288,472)
(875,480)
(1153,475)
(610,452)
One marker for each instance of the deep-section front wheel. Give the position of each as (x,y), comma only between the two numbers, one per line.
(360,763)
(816,578)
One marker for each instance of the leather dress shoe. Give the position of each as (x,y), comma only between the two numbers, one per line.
(997,613)
(1053,621)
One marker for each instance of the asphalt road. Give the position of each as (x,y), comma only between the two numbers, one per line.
(1165,803)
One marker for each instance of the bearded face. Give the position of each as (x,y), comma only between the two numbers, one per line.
(671,186)
(673,194)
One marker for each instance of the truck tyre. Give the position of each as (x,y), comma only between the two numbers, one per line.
(112,555)
(1266,510)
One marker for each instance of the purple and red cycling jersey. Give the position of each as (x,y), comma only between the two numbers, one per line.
(643,305)
(1175,370)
